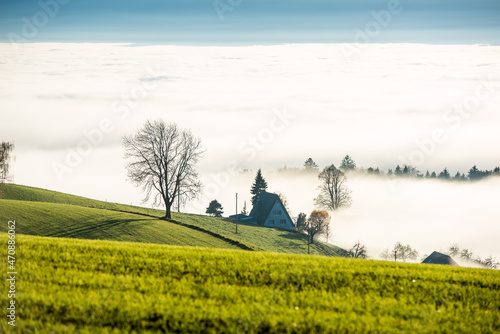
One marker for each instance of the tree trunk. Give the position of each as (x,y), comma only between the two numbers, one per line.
(168,214)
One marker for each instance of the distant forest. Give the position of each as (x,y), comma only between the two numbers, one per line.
(348,165)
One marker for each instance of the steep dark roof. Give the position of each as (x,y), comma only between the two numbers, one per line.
(264,205)
(439,258)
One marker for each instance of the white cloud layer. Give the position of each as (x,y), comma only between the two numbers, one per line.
(430,215)
(259,106)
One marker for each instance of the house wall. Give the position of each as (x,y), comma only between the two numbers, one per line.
(277,218)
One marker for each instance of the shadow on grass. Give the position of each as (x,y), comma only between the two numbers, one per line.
(87,232)
(293,236)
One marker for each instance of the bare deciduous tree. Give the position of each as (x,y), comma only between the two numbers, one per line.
(466,254)
(490,263)
(400,252)
(161,159)
(358,251)
(454,250)
(317,224)
(385,255)
(405,252)
(244,211)
(333,192)
(5,155)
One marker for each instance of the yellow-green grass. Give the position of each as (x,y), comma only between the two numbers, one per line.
(272,239)
(256,237)
(89,286)
(71,221)
(25,193)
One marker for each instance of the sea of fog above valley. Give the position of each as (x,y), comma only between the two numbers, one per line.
(433,106)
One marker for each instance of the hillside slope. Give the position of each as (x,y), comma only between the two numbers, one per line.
(90,286)
(255,237)
(25,193)
(273,239)
(70,221)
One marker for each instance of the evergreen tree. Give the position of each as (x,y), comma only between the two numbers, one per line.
(371,170)
(444,174)
(301,222)
(310,165)
(398,171)
(259,186)
(427,174)
(410,170)
(215,209)
(475,173)
(433,175)
(347,163)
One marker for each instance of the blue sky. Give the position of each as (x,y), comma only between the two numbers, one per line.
(251,21)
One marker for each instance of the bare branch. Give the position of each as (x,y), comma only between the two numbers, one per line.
(333,192)
(161,160)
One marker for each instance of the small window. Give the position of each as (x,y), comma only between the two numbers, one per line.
(283,221)
(277,212)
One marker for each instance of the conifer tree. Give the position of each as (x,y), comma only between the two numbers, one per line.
(259,186)
(215,209)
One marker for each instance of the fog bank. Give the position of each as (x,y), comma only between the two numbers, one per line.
(430,215)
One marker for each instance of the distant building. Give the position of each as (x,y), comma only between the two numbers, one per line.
(439,258)
(268,211)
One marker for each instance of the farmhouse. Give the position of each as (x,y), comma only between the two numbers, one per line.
(439,258)
(268,211)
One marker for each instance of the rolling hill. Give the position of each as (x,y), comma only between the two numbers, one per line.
(66,284)
(94,286)
(62,220)
(48,213)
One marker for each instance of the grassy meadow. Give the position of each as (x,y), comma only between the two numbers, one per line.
(92,286)
(71,221)
(48,213)
(87,266)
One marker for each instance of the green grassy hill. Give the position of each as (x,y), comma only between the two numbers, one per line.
(89,286)
(31,194)
(50,213)
(60,220)
(273,239)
